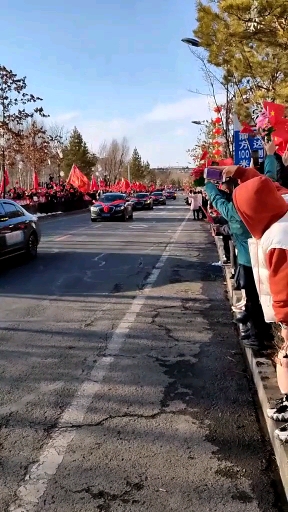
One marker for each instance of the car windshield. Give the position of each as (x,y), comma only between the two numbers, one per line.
(141,196)
(109,198)
(157,194)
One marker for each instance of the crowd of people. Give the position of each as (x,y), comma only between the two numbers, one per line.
(250,207)
(50,196)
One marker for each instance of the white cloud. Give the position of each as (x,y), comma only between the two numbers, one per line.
(154,131)
(66,117)
(179,110)
(179,132)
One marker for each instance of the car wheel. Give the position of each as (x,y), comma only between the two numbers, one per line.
(93,220)
(32,246)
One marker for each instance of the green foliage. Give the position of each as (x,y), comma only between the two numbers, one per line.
(138,169)
(248,39)
(77,152)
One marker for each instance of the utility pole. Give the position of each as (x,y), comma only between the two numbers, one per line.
(128,173)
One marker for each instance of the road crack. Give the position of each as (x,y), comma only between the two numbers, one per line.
(181,412)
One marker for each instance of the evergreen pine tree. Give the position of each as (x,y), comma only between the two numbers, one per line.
(77,152)
(137,169)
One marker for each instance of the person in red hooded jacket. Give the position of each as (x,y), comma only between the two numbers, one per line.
(265,213)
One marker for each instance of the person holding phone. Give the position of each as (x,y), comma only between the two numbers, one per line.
(243,174)
(259,333)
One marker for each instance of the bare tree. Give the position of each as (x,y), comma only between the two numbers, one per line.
(13,114)
(113,158)
(58,136)
(218,84)
(35,148)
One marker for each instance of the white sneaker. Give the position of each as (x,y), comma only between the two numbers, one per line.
(280,411)
(282,433)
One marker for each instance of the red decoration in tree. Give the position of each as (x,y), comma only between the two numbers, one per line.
(217,131)
(216,142)
(218,109)
(217,152)
(217,120)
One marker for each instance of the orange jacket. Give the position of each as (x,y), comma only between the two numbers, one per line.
(244,174)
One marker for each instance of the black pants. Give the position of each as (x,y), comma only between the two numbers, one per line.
(226,245)
(196,214)
(253,307)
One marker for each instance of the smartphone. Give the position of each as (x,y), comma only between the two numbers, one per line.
(255,158)
(213,174)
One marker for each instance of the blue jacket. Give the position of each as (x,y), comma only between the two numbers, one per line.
(238,230)
(270,167)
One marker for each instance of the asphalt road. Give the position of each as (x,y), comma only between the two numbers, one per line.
(123,387)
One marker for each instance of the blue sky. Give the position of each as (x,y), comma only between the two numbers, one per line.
(111,68)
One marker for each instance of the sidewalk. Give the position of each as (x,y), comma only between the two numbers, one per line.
(264,376)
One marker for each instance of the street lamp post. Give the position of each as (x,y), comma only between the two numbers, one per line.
(200,123)
(191,41)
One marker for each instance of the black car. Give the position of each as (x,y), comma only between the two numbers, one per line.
(170,194)
(142,201)
(111,207)
(19,230)
(158,198)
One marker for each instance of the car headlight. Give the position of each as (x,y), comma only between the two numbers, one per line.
(120,207)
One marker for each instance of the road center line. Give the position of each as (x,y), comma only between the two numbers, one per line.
(51,456)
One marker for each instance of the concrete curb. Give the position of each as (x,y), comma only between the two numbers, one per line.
(264,376)
(50,216)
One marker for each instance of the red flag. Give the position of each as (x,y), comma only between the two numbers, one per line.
(204,156)
(226,161)
(125,185)
(247,128)
(78,179)
(94,185)
(35,181)
(281,131)
(7,181)
(275,111)
(102,184)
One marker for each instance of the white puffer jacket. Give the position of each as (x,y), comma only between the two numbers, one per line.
(195,202)
(276,237)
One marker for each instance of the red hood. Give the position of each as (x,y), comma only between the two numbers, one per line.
(259,205)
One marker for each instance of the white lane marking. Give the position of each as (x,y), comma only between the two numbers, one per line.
(102,263)
(61,238)
(51,456)
(139,226)
(99,257)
